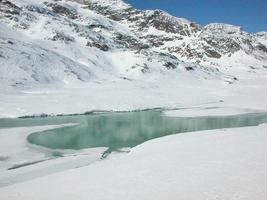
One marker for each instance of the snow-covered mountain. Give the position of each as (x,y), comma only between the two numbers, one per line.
(47,42)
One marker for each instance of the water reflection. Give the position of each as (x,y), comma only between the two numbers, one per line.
(119,130)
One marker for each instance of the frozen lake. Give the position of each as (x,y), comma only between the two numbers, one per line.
(126,129)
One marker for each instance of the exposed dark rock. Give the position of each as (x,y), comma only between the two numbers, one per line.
(191,53)
(144,68)
(9,7)
(161,21)
(116,15)
(63,37)
(168,55)
(22,25)
(174,49)
(170,65)
(62,10)
(28,17)
(92,26)
(235,78)
(125,78)
(223,44)
(39,10)
(261,47)
(102,47)
(212,53)
(130,42)
(158,41)
(10,42)
(189,68)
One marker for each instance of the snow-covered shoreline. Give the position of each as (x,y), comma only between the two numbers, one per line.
(246,95)
(223,164)
(22,161)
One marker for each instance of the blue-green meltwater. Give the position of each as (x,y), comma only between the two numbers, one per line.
(118,130)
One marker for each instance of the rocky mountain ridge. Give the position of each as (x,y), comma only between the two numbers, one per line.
(53,41)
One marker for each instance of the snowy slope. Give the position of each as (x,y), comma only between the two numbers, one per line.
(109,39)
(181,166)
(26,63)
(101,50)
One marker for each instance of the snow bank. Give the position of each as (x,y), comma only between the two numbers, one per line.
(207,111)
(21,161)
(219,164)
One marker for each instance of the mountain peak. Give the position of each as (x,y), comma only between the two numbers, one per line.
(164,14)
(113,36)
(223,28)
(114,4)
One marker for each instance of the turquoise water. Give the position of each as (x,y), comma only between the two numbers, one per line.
(118,130)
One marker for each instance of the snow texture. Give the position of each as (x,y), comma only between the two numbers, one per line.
(175,166)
